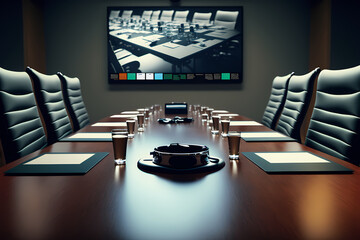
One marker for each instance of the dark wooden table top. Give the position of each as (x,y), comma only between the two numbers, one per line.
(240,201)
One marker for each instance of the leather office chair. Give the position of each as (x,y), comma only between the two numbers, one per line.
(114,14)
(180,16)
(299,94)
(276,101)
(48,93)
(201,18)
(146,15)
(166,15)
(335,122)
(21,129)
(74,102)
(126,14)
(226,18)
(155,16)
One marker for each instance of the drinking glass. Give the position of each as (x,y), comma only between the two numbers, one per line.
(130,124)
(119,139)
(215,124)
(234,145)
(140,118)
(225,125)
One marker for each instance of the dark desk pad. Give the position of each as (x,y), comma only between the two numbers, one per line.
(56,169)
(330,167)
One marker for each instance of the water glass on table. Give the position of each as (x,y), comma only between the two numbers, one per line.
(130,124)
(140,118)
(119,139)
(234,145)
(225,125)
(215,124)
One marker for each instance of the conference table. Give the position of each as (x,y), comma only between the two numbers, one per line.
(239,201)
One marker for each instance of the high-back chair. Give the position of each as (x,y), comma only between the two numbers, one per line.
(50,100)
(298,97)
(114,14)
(146,15)
(155,15)
(126,14)
(180,16)
(201,18)
(74,102)
(166,15)
(335,122)
(226,18)
(276,100)
(21,129)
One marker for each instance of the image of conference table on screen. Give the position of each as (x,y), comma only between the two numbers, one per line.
(186,44)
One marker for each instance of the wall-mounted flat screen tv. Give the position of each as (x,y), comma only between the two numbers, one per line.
(175,44)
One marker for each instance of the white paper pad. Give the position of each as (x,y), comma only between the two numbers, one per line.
(262,135)
(220,111)
(291,157)
(91,135)
(228,115)
(60,159)
(109,124)
(244,123)
(123,116)
(130,112)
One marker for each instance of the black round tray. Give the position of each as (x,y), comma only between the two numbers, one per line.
(147,165)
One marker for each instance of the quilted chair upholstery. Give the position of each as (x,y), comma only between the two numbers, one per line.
(276,101)
(49,96)
(300,91)
(74,102)
(20,125)
(335,123)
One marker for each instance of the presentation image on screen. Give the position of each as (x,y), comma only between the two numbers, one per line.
(163,44)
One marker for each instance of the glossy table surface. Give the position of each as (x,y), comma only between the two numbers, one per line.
(240,201)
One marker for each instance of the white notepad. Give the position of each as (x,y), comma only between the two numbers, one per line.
(123,116)
(228,115)
(220,111)
(291,157)
(91,135)
(262,135)
(109,124)
(60,159)
(244,123)
(130,112)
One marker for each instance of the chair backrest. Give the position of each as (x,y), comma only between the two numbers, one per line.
(21,129)
(297,102)
(126,14)
(166,15)
(146,15)
(48,93)
(276,101)
(335,122)
(155,15)
(226,18)
(202,18)
(74,102)
(114,14)
(180,16)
